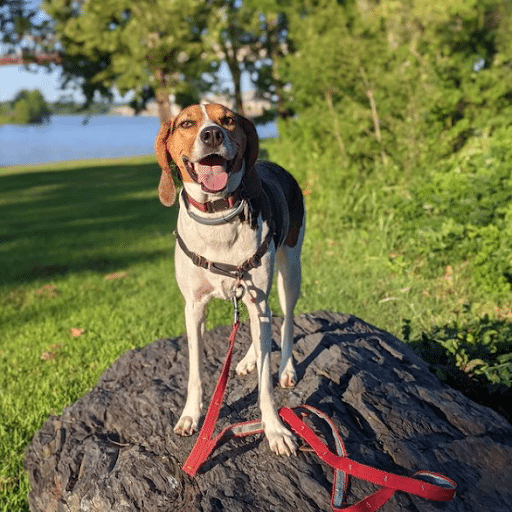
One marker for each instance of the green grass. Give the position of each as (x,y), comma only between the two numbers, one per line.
(65,229)
(87,246)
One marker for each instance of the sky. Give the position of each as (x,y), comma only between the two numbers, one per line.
(15,78)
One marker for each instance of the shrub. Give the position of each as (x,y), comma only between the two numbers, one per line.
(463,211)
(30,107)
(472,354)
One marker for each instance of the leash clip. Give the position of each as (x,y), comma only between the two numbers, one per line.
(237,292)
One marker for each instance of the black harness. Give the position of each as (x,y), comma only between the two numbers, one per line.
(227,269)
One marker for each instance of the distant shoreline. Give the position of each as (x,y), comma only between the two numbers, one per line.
(85,137)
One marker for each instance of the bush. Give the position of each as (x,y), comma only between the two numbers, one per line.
(30,107)
(472,354)
(463,211)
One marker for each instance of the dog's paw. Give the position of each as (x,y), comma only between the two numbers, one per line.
(288,377)
(186,426)
(247,364)
(281,441)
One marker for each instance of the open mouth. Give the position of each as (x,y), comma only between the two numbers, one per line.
(211,172)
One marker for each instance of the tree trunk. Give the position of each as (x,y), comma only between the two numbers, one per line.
(230,54)
(162,97)
(164,105)
(237,81)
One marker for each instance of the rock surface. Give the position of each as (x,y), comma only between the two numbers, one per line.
(115,450)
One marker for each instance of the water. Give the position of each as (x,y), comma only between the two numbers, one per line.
(68,138)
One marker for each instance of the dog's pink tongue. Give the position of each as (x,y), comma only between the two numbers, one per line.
(211,173)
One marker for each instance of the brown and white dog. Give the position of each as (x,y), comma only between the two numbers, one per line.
(238,218)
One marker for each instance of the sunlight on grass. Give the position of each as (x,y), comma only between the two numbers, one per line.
(86,247)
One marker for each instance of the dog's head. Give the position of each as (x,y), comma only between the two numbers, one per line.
(214,149)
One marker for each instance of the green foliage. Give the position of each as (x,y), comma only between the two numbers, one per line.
(28,107)
(20,28)
(249,37)
(463,211)
(421,244)
(147,47)
(154,48)
(394,83)
(473,354)
(403,134)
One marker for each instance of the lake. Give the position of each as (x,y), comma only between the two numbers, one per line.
(79,138)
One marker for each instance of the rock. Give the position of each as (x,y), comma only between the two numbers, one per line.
(115,450)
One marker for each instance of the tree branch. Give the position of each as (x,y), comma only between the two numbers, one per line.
(337,132)
(375,115)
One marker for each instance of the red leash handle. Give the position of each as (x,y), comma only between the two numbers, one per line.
(443,490)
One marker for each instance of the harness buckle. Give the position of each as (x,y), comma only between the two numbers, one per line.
(256,261)
(196,259)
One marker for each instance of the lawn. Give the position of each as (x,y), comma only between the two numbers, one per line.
(86,273)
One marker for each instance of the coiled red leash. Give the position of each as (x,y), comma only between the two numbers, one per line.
(428,485)
(442,490)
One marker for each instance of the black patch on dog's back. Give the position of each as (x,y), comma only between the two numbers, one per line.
(285,201)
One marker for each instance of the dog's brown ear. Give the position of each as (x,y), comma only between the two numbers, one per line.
(166,188)
(251,180)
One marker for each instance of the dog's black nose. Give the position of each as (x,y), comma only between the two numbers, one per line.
(212,136)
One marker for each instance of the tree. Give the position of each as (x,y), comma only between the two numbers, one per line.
(249,35)
(400,83)
(232,30)
(30,108)
(16,20)
(20,31)
(151,48)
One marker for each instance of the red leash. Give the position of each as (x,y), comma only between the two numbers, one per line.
(442,490)
(205,444)
(428,485)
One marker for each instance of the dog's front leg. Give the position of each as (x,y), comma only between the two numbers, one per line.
(280,439)
(194,319)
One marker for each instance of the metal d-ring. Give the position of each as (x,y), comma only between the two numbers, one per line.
(238,291)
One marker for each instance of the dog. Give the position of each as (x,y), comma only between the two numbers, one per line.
(238,219)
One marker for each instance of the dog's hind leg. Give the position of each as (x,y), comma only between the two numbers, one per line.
(288,287)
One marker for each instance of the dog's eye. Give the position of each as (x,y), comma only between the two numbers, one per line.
(187,123)
(227,121)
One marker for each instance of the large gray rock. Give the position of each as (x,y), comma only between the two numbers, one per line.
(115,450)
